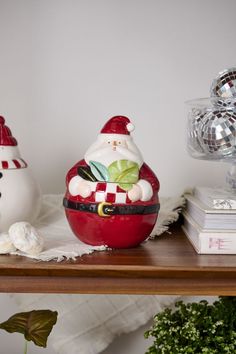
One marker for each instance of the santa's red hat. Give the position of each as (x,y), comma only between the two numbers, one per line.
(118,125)
(6,137)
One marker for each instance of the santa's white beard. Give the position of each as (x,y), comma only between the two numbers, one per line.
(106,155)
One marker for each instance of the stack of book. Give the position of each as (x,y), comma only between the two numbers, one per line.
(210,221)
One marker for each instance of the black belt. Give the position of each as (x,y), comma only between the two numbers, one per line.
(108,209)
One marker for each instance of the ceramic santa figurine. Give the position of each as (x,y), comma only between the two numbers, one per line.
(112,195)
(20,196)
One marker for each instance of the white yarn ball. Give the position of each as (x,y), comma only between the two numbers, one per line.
(6,246)
(26,238)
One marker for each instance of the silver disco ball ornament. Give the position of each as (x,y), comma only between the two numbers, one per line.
(194,119)
(217,133)
(229,103)
(212,124)
(224,85)
(211,133)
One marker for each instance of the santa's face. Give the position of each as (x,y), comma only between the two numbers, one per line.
(113,147)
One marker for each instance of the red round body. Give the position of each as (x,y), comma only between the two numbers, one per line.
(127,225)
(116,231)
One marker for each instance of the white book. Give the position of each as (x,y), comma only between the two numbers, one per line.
(210,218)
(216,198)
(210,241)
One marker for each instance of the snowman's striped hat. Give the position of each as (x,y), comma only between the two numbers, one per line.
(10,160)
(12,164)
(6,137)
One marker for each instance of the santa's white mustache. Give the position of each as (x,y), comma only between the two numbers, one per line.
(130,155)
(121,152)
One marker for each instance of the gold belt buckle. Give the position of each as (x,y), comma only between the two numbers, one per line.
(101,210)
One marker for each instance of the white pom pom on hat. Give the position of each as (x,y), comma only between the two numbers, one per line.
(130,127)
(118,125)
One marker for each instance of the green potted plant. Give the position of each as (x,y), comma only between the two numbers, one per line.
(35,325)
(195,328)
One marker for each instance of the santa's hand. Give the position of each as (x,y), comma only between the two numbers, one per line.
(78,186)
(142,190)
(135,193)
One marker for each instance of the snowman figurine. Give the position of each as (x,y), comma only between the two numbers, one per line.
(20,196)
(112,195)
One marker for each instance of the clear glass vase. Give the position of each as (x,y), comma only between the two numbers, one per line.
(211,132)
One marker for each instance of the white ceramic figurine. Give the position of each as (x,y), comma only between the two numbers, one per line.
(20,196)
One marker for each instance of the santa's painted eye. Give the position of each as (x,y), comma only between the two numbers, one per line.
(119,142)
(109,142)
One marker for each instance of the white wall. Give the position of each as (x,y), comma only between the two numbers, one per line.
(66,66)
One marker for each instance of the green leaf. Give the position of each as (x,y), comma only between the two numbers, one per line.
(126,186)
(125,173)
(86,173)
(99,170)
(129,175)
(35,325)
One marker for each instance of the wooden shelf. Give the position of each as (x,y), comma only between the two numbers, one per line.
(167,265)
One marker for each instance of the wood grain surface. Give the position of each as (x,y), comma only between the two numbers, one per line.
(167,265)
